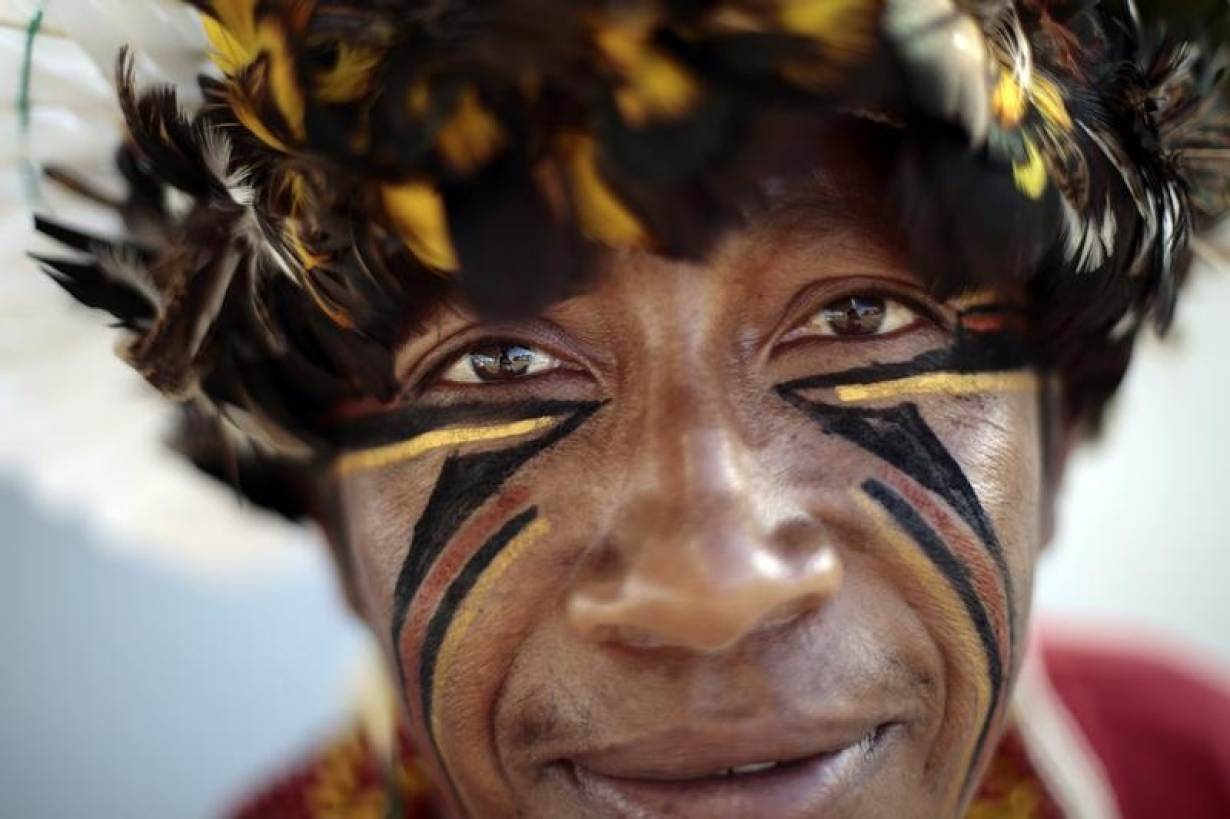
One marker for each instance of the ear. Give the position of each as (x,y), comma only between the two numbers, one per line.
(1059,437)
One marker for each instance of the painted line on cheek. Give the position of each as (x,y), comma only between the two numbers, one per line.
(465,484)
(351,463)
(978,300)
(470,538)
(463,602)
(918,535)
(949,383)
(988,584)
(902,438)
(972,353)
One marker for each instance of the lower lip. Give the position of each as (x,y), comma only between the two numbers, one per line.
(799,789)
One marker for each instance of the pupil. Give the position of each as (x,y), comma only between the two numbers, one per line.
(501,361)
(855,316)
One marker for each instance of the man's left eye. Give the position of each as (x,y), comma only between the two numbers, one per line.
(496,362)
(862,315)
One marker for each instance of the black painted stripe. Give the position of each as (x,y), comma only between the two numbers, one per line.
(465,484)
(457,591)
(900,436)
(958,576)
(971,353)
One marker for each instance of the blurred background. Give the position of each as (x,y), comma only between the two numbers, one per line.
(162,649)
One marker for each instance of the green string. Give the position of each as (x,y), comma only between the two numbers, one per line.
(23,100)
(27,59)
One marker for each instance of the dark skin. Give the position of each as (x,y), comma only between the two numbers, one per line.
(777,506)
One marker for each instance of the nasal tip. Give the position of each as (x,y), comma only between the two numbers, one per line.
(702,617)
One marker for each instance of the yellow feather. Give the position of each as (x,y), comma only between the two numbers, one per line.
(471,136)
(655,86)
(351,77)
(624,41)
(283,83)
(237,16)
(248,118)
(417,211)
(227,51)
(658,88)
(1008,101)
(310,260)
(844,32)
(1030,174)
(600,214)
(1048,100)
(847,26)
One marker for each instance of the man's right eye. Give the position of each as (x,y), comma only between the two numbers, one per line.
(494,362)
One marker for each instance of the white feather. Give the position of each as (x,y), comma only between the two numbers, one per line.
(82,432)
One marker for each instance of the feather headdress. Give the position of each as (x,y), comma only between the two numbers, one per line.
(356,159)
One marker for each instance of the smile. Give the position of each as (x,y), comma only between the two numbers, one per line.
(694,781)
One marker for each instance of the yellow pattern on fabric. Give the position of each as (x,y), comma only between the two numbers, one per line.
(363,460)
(340,790)
(1022,802)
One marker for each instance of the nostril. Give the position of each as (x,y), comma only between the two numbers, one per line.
(796,540)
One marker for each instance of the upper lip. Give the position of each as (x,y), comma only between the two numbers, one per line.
(692,752)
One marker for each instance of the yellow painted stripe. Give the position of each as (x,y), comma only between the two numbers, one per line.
(977,298)
(380,457)
(939,384)
(470,609)
(947,615)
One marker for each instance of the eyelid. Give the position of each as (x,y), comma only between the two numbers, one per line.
(813,298)
(540,335)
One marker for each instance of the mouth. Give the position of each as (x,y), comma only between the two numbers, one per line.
(694,780)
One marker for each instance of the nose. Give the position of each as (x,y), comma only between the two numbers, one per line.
(703,554)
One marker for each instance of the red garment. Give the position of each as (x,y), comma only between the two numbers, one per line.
(1160,735)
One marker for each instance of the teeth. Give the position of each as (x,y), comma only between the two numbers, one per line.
(755,767)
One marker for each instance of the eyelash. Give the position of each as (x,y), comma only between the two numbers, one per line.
(920,314)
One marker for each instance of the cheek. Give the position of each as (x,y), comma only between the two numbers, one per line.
(458,558)
(948,490)
(1001,451)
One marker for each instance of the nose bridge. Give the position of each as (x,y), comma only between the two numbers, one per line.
(705,552)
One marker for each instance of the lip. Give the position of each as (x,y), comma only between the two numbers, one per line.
(678,773)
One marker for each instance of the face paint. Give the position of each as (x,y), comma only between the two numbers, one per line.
(919,497)
(957,575)
(952,612)
(988,356)
(443,568)
(464,598)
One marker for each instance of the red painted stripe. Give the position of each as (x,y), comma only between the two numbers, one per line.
(984,575)
(472,535)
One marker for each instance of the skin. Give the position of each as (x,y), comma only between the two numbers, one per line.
(717,533)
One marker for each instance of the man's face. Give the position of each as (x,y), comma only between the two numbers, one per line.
(743,538)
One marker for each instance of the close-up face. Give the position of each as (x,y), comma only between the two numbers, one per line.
(681,390)
(746,537)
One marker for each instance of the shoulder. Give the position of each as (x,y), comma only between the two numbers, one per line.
(1159,726)
(347,777)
